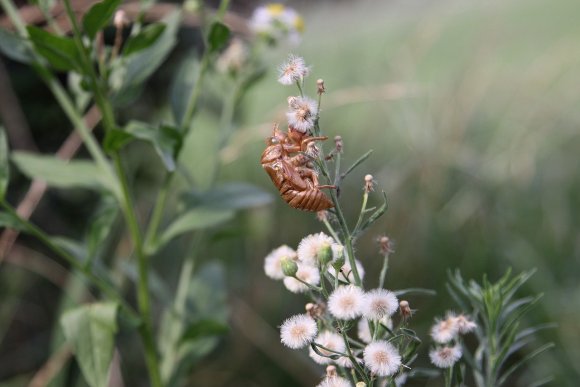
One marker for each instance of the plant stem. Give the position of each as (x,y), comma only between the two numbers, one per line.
(355,363)
(384,269)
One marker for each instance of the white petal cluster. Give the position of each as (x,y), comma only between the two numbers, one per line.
(448,329)
(273,261)
(335,381)
(346,302)
(298,331)
(277,22)
(382,358)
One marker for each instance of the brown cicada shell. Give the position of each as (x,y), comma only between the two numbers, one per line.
(290,171)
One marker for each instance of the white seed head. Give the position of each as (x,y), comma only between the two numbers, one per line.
(273,261)
(346,302)
(382,358)
(445,357)
(330,340)
(464,324)
(302,113)
(334,381)
(293,70)
(445,330)
(298,331)
(310,247)
(380,303)
(306,273)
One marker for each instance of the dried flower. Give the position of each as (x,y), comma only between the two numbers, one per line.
(298,331)
(382,358)
(405,309)
(369,183)
(445,357)
(386,245)
(273,261)
(380,303)
(464,324)
(330,340)
(302,113)
(338,144)
(293,70)
(346,302)
(306,273)
(320,86)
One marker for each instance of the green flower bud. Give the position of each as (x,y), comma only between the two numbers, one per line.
(289,267)
(324,254)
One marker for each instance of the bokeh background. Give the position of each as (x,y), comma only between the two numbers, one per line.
(473,112)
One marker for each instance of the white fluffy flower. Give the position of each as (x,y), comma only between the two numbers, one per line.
(297,331)
(445,357)
(306,273)
(334,381)
(293,70)
(382,358)
(445,330)
(380,303)
(346,302)
(310,245)
(330,340)
(302,113)
(345,274)
(277,22)
(464,324)
(273,261)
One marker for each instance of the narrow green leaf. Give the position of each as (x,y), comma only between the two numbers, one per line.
(204,328)
(427,292)
(195,219)
(15,47)
(101,224)
(375,216)
(4,167)
(59,173)
(98,16)
(144,39)
(359,161)
(9,221)
(61,52)
(90,329)
(231,196)
(527,358)
(218,36)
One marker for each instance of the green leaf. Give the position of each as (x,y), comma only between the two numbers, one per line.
(15,47)
(98,16)
(182,85)
(59,173)
(166,140)
(116,139)
(143,39)
(4,167)
(9,221)
(233,196)
(195,219)
(129,72)
(90,329)
(101,224)
(204,328)
(61,52)
(218,36)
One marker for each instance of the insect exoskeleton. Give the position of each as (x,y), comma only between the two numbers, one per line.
(290,171)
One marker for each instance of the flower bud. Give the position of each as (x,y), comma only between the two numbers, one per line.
(369,183)
(320,86)
(289,267)
(324,254)
(338,144)
(386,245)
(338,263)
(405,309)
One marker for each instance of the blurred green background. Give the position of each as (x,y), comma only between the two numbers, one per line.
(473,112)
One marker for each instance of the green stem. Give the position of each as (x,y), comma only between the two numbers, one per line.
(353,360)
(97,281)
(384,269)
(448,376)
(361,214)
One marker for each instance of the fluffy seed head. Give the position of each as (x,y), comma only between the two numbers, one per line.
(329,340)
(273,261)
(445,357)
(302,113)
(346,302)
(334,381)
(306,273)
(380,303)
(298,331)
(382,358)
(445,330)
(312,245)
(293,70)
(464,324)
